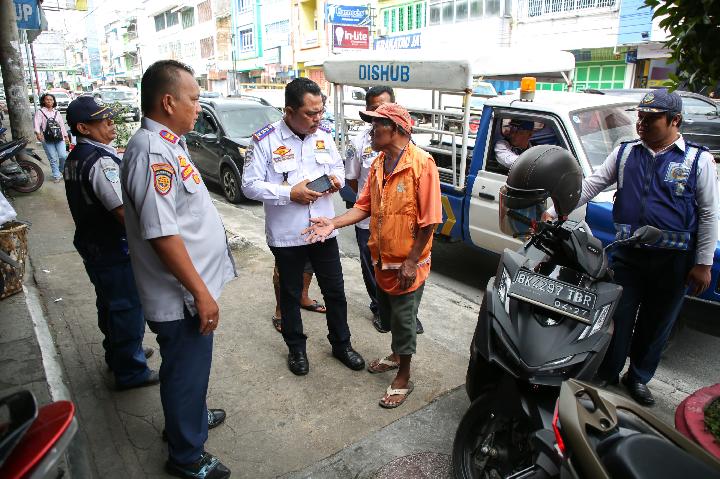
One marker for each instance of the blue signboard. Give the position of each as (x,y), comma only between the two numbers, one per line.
(348,14)
(27,14)
(398,42)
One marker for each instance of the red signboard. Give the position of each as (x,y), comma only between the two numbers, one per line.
(346,36)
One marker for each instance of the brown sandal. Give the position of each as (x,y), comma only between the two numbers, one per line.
(382,365)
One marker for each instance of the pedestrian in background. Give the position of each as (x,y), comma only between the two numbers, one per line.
(92,186)
(359,158)
(279,163)
(181,260)
(50,130)
(669,183)
(402,194)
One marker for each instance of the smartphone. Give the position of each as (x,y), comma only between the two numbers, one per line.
(321,185)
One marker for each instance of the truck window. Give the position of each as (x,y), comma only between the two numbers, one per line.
(602,129)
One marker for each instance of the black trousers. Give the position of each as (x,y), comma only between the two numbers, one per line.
(325,261)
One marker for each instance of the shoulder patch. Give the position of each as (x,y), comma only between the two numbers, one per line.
(263,132)
(163,174)
(696,145)
(167,136)
(111,174)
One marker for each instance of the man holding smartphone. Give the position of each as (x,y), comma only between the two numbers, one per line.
(280,164)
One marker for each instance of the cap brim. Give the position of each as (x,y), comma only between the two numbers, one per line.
(368,116)
(648,109)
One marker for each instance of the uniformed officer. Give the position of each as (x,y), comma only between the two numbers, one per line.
(282,159)
(359,157)
(515,142)
(670,183)
(181,261)
(92,185)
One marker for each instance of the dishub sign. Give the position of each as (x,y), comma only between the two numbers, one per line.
(348,14)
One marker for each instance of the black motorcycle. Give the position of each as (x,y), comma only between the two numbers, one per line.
(16,170)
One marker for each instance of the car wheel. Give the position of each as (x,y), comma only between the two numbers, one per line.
(230,183)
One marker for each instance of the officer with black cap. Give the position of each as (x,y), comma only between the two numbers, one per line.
(671,184)
(92,185)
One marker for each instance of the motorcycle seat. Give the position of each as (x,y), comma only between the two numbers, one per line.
(645,456)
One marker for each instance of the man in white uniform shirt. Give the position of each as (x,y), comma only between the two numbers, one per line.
(280,162)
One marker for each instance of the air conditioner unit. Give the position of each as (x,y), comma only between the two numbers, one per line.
(382,32)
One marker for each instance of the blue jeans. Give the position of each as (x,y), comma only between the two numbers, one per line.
(325,260)
(121,321)
(653,284)
(56,155)
(366,265)
(184,376)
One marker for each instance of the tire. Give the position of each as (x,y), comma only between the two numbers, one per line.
(481,375)
(489,443)
(230,184)
(37,177)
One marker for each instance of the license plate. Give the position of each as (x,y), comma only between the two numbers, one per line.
(553,294)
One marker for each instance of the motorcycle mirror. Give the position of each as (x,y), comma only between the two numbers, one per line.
(646,235)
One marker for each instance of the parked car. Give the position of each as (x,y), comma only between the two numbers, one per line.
(701,118)
(126,97)
(221,136)
(63,99)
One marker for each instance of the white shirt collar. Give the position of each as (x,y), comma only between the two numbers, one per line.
(82,139)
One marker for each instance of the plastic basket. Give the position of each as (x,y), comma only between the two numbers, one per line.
(13,242)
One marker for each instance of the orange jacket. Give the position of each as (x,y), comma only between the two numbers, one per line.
(393,209)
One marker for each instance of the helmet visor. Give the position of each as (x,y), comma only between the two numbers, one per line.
(521,211)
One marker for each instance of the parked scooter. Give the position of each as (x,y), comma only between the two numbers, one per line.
(598,434)
(546,317)
(18,172)
(32,440)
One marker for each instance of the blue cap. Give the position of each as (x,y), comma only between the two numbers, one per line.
(525,125)
(658,101)
(86,108)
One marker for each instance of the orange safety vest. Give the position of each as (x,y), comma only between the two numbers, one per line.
(393,209)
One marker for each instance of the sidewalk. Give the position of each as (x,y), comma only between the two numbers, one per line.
(277,423)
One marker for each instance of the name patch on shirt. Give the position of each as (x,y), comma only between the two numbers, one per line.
(167,136)
(186,168)
(162,177)
(263,132)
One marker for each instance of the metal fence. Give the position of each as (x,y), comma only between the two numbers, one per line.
(544,8)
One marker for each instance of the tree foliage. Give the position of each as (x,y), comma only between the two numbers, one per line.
(694,39)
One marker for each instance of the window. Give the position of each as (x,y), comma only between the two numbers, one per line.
(461,10)
(536,8)
(171,19)
(277,33)
(159,22)
(204,11)
(695,106)
(453,11)
(207,47)
(244,5)
(403,18)
(600,76)
(247,43)
(188,17)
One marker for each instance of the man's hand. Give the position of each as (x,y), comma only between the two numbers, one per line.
(319,230)
(39,137)
(300,193)
(208,312)
(698,280)
(336,185)
(407,274)
(547,217)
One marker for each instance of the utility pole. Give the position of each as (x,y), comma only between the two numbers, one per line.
(12,73)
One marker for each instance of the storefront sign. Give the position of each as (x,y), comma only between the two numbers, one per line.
(348,14)
(27,14)
(631,56)
(351,37)
(399,42)
(309,39)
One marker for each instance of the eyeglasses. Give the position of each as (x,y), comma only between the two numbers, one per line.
(314,114)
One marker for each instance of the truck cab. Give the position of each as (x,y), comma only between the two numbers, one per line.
(589,126)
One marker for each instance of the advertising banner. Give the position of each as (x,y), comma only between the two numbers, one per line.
(399,42)
(345,36)
(348,14)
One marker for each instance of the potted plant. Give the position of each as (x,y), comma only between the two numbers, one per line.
(698,418)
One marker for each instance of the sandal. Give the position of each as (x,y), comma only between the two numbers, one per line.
(277,322)
(315,307)
(376,366)
(396,392)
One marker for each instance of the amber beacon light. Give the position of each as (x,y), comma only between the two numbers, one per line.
(527,88)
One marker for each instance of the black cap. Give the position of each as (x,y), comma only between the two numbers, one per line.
(86,108)
(658,101)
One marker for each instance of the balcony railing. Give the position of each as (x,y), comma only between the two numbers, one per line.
(554,8)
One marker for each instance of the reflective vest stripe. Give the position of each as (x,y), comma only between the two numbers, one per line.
(621,164)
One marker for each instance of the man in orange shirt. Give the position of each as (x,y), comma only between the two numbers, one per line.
(402,199)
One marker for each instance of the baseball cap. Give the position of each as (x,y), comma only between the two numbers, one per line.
(86,108)
(660,100)
(526,125)
(392,111)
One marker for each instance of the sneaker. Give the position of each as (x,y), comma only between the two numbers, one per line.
(207,467)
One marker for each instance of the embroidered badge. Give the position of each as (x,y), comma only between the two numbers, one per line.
(677,172)
(349,151)
(319,144)
(368,153)
(112,174)
(196,178)
(167,136)
(282,150)
(648,98)
(162,177)
(263,132)
(182,161)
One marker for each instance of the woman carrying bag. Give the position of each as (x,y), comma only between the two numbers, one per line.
(50,130)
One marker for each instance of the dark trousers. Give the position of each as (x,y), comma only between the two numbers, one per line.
(184,375)
(653,284)
(121,321)
(366,265)
(325,260)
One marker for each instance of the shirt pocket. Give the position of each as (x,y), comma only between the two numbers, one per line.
(323,158)
(193,201)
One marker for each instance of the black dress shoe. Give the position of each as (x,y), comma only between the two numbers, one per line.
(418,326)
(215,418)
(378,325)
(298,363)
(639,391)
(152,379)
(207,467)
(350,358)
